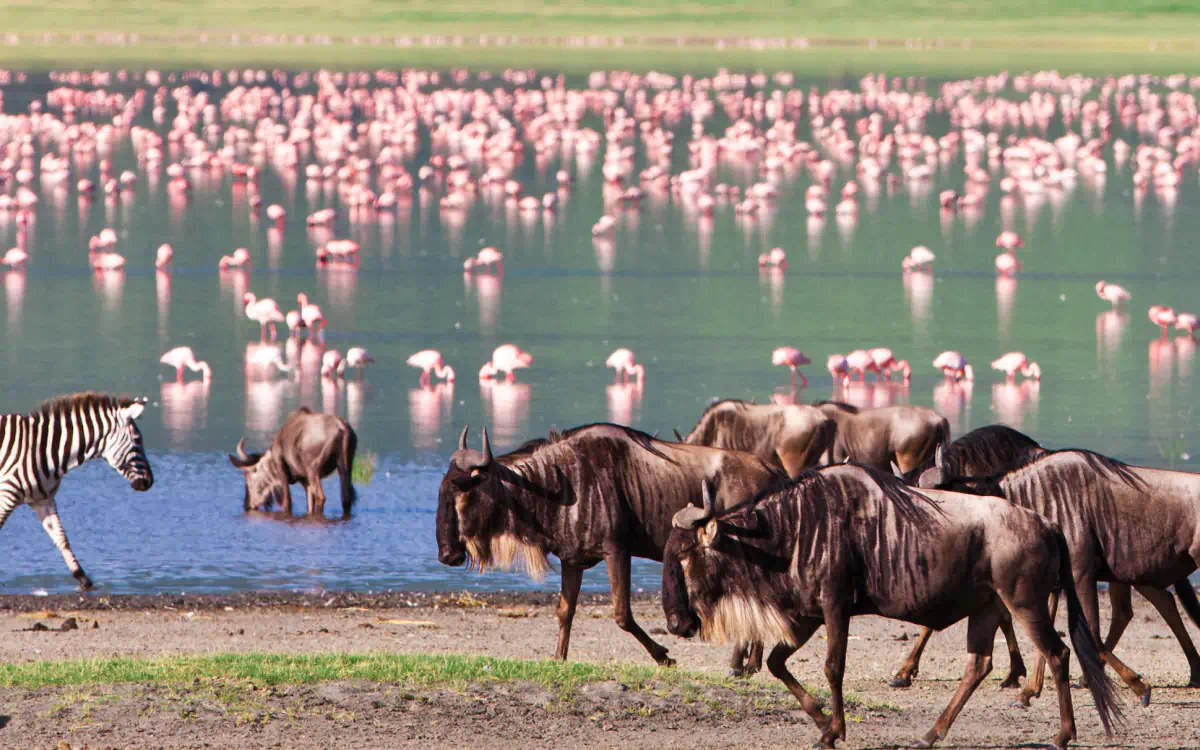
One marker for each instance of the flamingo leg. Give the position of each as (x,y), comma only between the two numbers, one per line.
(424,378)
(803,381)
(509,377)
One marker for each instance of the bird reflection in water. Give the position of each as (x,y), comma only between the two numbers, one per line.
(235,282)
(487,289)
(1012,402)
(110,285)
(429,408)
(14,296)
(162,293)
(1110,327)
(1185,351)
(952,399)
(507,408)
(340,281)
(815,225)
(357,393)
(1006,292)
(772,277)
(918,290)
(1162,362)
(184,409)
(623,400)
(872,395)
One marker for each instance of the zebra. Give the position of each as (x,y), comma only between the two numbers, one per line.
(37,449)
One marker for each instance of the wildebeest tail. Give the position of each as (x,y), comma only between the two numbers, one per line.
(1187,597)
(345,469)
(1104,692)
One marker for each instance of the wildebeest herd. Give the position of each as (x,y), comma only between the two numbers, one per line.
(770,521)
(773,520)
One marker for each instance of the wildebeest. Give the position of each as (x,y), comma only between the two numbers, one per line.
(904,435)
(845,541)
(793,436)
(1124,524)
(996,449)
(594,493)
(307,448)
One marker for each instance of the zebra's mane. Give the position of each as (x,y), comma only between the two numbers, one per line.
(60,405)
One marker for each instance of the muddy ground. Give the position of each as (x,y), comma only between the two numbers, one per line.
(515,715)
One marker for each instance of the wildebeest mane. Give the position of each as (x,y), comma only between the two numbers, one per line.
(1109,468)
(983,452)
(842,405)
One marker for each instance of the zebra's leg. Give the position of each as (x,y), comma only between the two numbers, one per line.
(8,504)
(47,511)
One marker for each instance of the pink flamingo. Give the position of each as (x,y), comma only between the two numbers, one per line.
(777,258)
(1007,264)
(954,365)
(356,358)
(839,368)
(859,361)
(604,226)
(886,363)
(505,358)
(181,357)
(430,360)
(792,358)
(919,259)
(1186,322)
(1112,293)
(276,214)
(263,358)
(14,257)
(107,261)
(331,364)
(1163,317)
(263,311)
(313,319)
(621,360)
(322,218)
(342,248)
(162,259)
(294,322)
(239,259)
(488,257)
(1009,241)
(1013,362)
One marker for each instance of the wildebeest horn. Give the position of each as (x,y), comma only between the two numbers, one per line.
(939,458)
(678,437)
(654,436)
(690,516)
(487,448)
(241,449)
(462,439)
(896,470)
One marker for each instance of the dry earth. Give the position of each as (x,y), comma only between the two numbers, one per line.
(513,715)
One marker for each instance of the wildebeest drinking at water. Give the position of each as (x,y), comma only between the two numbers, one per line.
(846,541)
(597,493)
(307,448)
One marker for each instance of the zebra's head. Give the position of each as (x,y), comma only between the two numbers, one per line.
(122,446)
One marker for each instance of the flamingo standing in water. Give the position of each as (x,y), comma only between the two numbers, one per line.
(920,258)
(839,368)
(1007,264)
(886,363)
(954,365)
(622,361)
(239,259)
(107,261)
(263,311)
(1163,317)
(777,258)
(1112,293)
(181,357)
(430,360)
(310,313)
(488,257)
(162,259)
(294,322)
(357,358)
(1013,362)
(792,358)
(15,257)
(505,358)
(331,364)
(1186,322)
(1009,241)
(859,361)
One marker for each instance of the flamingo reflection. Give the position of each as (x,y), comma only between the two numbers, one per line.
(184,409)
(1006,292)
(952,399)
(1185,350)
(1162,361)
(872,395)
(162,292)
(110,285)
(357,394)
(506,405)
(14,294)
(1013,401)
(772,278)
(1110,326)
(918,290)
(429,408)
(623,399)
(487,287)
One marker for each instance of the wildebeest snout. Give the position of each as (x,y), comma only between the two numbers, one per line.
(684,626)
(453,558)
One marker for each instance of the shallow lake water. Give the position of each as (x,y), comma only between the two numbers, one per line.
(684,292)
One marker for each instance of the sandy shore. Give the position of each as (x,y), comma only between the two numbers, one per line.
(363,714)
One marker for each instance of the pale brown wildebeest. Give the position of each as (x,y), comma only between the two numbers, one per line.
(845,541)
(904,435)
(308,447)
(997,449)
(1124,524)
(793,436)
(596,493)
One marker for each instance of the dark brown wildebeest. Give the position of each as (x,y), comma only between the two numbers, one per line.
(904,435)
(1125,524)
(308,447)
(997,449)
(845,541)
(596,493)
(793,436)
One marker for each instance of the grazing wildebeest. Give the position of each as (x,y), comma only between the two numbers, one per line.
(845,541)
(996,449)
(904,435)
(793,436)
(594,493)
(307,448)
(1125,524)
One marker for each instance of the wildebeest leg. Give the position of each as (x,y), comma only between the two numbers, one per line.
(572,577)
(981,640)
(1033,688)
(1086,587)
(746,659)
(777,665)
(754,658)
(1120,599)
(316,495)
(1039,626)
(837,633)
(1165,604)
(618,579)
(1016,665)
(347,447)
(285,499)
(912,664)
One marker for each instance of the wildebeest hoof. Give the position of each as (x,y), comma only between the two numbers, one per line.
(1194,682)
(1012,681)
(736,673)
(1146,697)
(922,743)
(900,682)
(666,661)
(1022,702)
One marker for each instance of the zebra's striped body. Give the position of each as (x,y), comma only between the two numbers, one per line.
(38,449)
